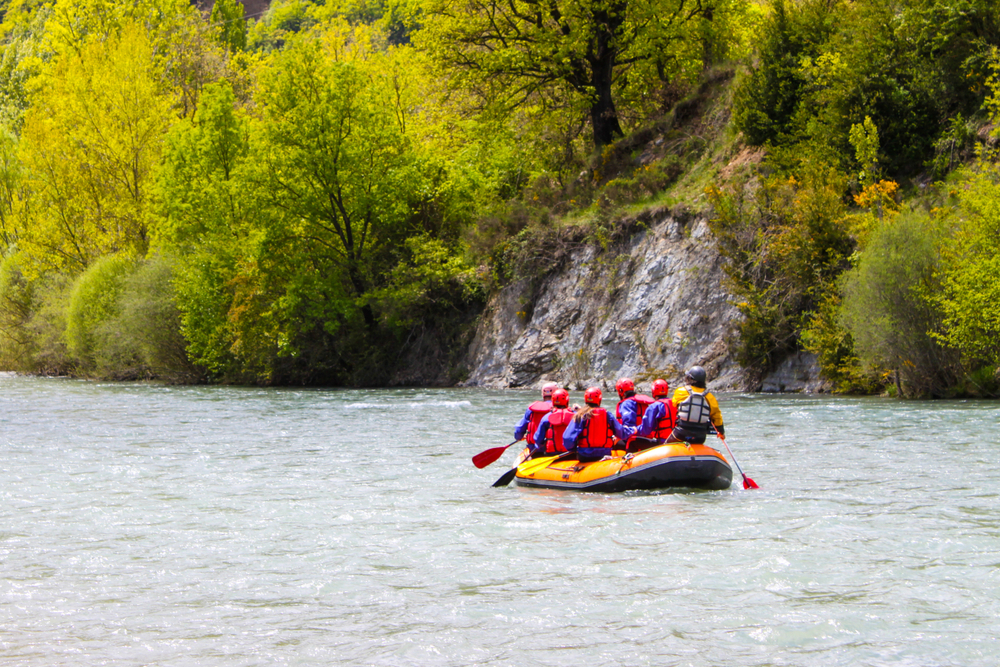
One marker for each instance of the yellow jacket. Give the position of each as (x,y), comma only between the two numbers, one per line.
(713,405)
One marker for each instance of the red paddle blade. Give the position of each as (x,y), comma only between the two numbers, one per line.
(749,483)
(483,459)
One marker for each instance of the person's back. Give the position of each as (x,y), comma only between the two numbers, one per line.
(627,410)
(593,431)
(697,409)
(660,418)
(549,435)
(533,416)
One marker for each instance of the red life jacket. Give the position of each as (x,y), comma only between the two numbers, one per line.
(538,410)
(559,419)
(618,408)
(665,426)
(597,431)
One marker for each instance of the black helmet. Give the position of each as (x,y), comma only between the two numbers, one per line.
(696,377)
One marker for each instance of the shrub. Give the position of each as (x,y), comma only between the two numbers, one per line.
(94,301)
(889,310)
(149,324)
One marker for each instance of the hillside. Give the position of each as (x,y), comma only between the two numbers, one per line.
(352,193)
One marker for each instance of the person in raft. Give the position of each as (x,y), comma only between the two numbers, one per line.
(630,408)
(549,434)
(534,414)
(592,431)
(627,408)
(659,420)
(697,410)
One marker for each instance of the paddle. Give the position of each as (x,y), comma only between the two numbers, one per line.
(747,482)
(506,478)
(529,467)
(484,458)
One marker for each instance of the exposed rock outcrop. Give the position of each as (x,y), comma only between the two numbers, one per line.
(650,308)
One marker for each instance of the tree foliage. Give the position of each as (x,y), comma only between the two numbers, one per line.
(89,146)
(889,309)
(587,54)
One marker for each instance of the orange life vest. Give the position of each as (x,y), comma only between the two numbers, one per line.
(665,426)
(538,410)
(559,419)
(597,431)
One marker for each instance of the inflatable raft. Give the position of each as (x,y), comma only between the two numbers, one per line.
(662,467)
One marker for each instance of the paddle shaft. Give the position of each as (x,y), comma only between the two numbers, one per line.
(509,476)
(747,482)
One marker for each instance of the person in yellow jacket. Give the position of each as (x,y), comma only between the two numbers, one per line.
(697,410)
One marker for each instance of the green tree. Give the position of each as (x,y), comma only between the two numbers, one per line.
(970,296)
(205,218)
(787,242)
(227,16)
(90,142)
(767,99)
(889,309)
(583,53)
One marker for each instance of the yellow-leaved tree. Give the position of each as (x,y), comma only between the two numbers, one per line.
(89,145)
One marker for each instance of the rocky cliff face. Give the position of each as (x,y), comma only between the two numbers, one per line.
(650,308)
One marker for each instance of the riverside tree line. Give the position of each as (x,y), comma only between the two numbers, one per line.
(326,193)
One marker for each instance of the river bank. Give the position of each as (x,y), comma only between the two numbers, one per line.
(649,306)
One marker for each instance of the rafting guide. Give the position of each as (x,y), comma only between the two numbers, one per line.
(650,442)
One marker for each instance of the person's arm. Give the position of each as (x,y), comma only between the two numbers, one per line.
(629,419)
(522,426)
(715,414)
(649,419)
(571,434)
(617,428)
(540,434)
(679,395)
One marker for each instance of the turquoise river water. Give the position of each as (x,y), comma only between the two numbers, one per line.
(213,526)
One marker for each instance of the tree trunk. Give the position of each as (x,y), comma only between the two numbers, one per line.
(604,118)
(602,59)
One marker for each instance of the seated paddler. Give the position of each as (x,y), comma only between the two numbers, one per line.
(697,410)
(533,415)
(592,431)
(548,436)
(658,421)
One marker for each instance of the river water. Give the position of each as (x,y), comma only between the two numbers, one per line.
(154,525)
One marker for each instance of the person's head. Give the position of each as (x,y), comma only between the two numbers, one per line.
(625,387)
(660,388)
(560,398)
(592,397)
(696,377)
(547,390)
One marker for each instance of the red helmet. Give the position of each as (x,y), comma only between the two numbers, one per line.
(560,398)
(592,396)
(547,390)
(623,385)
(660,389)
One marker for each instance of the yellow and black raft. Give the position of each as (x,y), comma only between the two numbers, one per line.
(676,465)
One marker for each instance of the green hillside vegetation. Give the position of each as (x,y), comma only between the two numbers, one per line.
(329,192)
